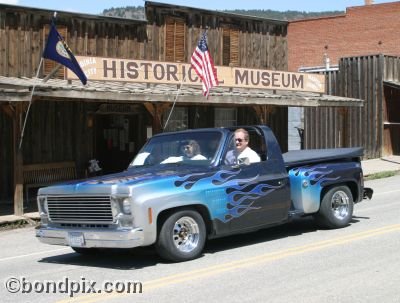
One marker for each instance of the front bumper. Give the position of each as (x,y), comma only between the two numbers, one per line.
(119,238)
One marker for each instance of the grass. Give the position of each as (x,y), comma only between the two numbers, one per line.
(18,224)
(381,175)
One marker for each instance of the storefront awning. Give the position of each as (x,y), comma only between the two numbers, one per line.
(13,89)
(393,84)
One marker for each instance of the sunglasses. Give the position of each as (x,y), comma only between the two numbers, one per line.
(239,140)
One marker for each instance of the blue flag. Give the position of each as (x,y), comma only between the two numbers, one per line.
(57,49)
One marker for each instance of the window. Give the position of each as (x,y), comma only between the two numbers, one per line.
(178,119)
(225,117)
(194,148)
(175,39)
(49,65)
(230,46)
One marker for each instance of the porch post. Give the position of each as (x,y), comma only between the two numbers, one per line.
(18,162)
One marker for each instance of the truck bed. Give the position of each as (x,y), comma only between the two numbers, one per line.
(312,156)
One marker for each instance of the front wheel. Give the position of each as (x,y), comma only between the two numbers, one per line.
(336,208)
(182,236)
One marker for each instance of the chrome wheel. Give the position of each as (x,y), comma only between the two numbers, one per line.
(185,234)
(340,204)
(182,236)
(336,208)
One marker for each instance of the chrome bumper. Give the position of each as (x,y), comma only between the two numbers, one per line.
(120,238)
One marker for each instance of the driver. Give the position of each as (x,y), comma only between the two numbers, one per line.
(242,150)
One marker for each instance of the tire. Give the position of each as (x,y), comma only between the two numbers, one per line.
(182,236)
(336,208)
(86,251)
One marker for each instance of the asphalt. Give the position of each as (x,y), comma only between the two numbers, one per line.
(370,167)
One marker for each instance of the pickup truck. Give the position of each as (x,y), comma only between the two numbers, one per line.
(176,203)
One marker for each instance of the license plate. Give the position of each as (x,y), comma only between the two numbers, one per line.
(76,239)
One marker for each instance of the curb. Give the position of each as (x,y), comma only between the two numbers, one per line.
(381,175)
(31,219)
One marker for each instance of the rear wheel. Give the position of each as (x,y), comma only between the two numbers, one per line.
(336,208)
(182,236)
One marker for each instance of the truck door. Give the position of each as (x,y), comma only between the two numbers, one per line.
(258,194)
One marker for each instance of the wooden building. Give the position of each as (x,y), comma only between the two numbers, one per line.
(376,125)
(111,120)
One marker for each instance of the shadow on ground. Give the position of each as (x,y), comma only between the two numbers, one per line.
(141,257)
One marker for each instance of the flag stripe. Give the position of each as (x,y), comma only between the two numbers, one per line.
(203,65)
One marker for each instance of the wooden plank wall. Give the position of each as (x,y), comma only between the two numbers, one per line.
(392,68)
(6,162)
(22,38)
(57,131)
(358,77)
(262,43)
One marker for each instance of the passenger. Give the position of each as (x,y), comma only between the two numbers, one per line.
(191,151)
(242,150)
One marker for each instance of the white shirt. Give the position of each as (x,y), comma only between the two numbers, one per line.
(181,158)
(232,157)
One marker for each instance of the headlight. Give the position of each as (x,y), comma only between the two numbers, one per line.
(42,204)
(121,205)
(126,206)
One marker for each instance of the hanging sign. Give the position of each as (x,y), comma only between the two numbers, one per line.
(127,70)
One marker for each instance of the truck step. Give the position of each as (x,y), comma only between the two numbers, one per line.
(295,213)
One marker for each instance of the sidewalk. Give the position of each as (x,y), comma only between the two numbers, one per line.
(385,164)
(373,166)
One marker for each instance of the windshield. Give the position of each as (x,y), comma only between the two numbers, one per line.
(197,148)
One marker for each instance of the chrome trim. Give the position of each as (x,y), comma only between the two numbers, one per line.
(340,204)
(120,238)
(80,209)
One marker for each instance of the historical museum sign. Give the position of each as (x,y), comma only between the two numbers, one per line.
(127,70)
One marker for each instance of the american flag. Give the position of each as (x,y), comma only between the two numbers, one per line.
(204,65)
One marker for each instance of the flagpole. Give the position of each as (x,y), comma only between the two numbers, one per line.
(180,87)
(30,103)
(173,105)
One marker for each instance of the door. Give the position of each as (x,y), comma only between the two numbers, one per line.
(260,197)
(118,139)
(258,193)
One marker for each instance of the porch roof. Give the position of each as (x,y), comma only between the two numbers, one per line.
(393,84)
(13,89)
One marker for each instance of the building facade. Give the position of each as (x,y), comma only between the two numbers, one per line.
(363,45)
(362,30)
(110,120)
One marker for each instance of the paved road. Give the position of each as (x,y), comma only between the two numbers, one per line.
(291,263)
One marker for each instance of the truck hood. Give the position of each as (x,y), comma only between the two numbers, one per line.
(120,183)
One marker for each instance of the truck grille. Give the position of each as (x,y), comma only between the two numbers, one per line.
(80,209)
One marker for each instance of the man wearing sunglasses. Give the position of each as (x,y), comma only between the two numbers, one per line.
(242,152)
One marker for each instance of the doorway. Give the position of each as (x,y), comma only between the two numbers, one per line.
(118,139)
(391,127)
